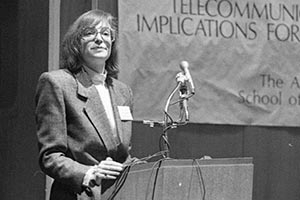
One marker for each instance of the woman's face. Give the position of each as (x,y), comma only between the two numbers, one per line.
(96,43)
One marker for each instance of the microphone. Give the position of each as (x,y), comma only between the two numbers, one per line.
(181,78)
(184,66)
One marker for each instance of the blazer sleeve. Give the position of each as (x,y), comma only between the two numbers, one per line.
(52,134)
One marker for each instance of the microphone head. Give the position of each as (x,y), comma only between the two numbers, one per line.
(184,65)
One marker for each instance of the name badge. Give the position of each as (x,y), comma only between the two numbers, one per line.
(125,113)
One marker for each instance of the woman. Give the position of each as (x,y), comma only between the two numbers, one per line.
(83,139)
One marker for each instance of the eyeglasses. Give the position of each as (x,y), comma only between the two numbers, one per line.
(90,33)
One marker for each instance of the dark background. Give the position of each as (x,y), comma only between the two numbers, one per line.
(24,56)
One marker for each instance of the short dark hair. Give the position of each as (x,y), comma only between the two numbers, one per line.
(71,57)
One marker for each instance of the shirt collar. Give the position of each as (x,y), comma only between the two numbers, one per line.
(96,78)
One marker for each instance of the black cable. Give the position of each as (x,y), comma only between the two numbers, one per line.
(119,182)
(159,162)
(122,178)
(155,179)
(199,171)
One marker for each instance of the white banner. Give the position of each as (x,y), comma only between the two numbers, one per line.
(244,58)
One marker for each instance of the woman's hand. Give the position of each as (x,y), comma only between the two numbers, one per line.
(108,169)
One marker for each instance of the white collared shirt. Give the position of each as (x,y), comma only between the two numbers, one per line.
(106,100)
(99,82)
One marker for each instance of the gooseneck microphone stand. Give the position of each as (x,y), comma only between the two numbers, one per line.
(169,122)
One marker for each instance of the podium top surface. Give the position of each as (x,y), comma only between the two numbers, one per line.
(200,162)
(172,179)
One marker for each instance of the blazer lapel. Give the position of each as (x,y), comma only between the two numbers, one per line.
(95,111)
(116,101)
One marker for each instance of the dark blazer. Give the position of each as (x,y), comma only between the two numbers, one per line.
(73,130)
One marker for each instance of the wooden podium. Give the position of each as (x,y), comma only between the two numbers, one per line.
(212,179)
